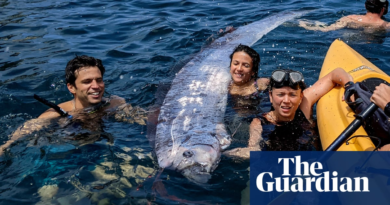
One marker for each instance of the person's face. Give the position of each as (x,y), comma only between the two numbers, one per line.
(89,87)
(286,101)
(241,68)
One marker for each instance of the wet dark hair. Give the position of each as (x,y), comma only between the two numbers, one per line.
(375,6)
(79,62)
(252,53)
(273,84)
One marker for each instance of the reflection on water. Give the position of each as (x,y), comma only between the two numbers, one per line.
(51,161)
(65,155)
(364,35)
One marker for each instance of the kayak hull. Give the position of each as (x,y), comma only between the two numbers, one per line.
(333,114)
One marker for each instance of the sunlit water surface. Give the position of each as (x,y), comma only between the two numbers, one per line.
(142,44)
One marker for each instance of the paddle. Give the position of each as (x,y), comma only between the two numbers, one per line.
(355,124)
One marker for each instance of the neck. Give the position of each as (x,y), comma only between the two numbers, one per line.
(373,16)
(279,118)
(77,105)
(242,85)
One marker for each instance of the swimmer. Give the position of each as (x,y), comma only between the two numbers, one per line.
(292,105)
(246,91)
(376,9)
(245,88)
(84,79)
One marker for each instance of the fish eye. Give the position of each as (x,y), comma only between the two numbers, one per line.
(188,154)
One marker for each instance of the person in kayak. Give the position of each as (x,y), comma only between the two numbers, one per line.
(291,111)
(84,79)
(376,9)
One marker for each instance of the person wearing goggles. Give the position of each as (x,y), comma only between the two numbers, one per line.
(373,19)
(291,111)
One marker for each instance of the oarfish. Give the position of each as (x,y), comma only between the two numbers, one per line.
(190,132)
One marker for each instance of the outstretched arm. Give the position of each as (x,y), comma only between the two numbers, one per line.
(312,94)
(25,130)
(318,26)
(255,131)
(124,112)
(130,114)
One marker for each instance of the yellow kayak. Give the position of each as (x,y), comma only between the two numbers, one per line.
(334,115)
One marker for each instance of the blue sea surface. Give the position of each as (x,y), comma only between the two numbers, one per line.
(142,44)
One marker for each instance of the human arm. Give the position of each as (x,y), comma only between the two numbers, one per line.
(124,112)
(312,94)
(385,148)
(255,131)
(130,114)
(262,83)
(381,95)
(26,129)
(319,26)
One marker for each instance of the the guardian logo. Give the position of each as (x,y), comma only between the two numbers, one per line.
(311,179)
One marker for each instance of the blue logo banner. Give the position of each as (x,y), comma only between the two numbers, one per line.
(320,178)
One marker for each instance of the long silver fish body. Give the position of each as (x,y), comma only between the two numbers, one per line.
(190,132)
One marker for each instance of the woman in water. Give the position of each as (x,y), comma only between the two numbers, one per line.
(245,91)
(291,112)
(245,88)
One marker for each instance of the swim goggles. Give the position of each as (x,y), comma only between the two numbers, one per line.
(284,75)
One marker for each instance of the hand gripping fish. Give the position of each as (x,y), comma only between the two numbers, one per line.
(190,133)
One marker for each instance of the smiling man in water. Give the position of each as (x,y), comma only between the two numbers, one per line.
(373,19)
(84,79)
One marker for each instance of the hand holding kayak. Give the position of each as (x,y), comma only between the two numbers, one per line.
(381,97)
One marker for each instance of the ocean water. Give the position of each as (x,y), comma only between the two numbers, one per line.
(142,44)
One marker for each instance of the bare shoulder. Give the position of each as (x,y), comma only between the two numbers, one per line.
(51,113)
(115,101)
(263,82)
(351,18)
